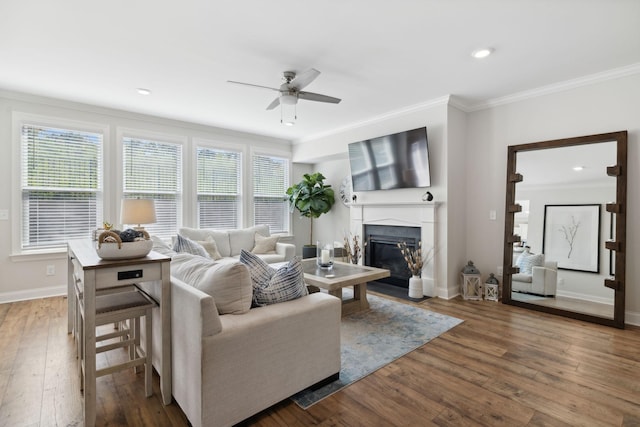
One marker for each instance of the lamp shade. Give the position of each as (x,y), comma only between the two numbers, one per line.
(138,211)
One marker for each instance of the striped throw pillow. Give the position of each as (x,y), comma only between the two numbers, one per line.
(270,285)
(184,244)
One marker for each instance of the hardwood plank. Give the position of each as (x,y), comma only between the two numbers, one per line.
(502,366)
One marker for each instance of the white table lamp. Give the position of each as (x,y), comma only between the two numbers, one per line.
(138,211)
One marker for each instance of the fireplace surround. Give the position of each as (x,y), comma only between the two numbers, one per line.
(402,214)
(382,251)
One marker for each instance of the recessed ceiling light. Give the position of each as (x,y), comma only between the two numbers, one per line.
(578,168)
(482,53)
(143,91)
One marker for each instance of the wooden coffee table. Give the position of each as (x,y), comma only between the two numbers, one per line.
(343,274)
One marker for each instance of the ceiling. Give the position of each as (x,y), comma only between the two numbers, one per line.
(379,56)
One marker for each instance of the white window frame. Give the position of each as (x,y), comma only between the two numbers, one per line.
(19,119)
(219,145)
(125,132)
(259,151)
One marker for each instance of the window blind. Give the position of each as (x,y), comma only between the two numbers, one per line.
(61,185)
(153,170)
(270,183)
(218,188)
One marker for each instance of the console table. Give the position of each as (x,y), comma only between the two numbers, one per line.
(95,274)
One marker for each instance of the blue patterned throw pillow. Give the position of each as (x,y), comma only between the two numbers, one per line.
(184,244)
(270,285)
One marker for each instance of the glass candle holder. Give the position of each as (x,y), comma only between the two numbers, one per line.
(324,255)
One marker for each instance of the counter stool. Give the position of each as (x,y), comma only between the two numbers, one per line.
(125,309)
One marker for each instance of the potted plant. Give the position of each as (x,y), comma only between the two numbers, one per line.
(312,198)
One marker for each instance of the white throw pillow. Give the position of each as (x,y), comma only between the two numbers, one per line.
(271,286)
(265,245)
(221,237)
(526,261)
(211,247)
(228,283)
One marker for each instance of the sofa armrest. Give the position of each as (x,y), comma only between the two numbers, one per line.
(287,250)
(193,317)
(544,280)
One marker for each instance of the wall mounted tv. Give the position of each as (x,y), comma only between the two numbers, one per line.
(400,160)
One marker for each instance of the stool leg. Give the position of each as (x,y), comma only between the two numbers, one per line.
(148,365)
(135,323)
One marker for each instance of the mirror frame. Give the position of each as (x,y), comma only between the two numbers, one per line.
(619,172)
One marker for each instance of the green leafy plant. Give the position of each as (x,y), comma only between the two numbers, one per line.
(311,197)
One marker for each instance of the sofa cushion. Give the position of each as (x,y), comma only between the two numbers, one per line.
(527,260)
(221,237)
(270,285)
(265,245)
(211,247)
(245,238)
(184,244)
(228,283)
(527,278)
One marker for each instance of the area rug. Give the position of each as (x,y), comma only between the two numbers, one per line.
(373,338)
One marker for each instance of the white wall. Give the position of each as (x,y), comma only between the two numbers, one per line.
(597,108)
(23,276)
(331,160)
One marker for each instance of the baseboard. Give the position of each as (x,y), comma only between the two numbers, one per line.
(590,298)
(28,294)
(632,318)
(449,292)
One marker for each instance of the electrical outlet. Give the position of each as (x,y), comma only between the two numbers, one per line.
(51,270)
(493,215)
(499,270)
(4,214)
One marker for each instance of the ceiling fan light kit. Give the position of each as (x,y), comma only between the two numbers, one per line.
(291,91)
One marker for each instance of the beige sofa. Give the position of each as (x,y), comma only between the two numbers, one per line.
(228,367)
(230,242)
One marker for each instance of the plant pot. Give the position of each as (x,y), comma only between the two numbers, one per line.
(309,251)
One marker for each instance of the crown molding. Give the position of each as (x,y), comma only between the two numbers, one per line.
(615,73)
(444,100)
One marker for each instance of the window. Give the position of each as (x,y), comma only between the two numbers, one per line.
(270,183)
(218,188)
(61,184)
(153,170)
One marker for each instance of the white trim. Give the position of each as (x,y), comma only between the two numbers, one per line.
(18,119)
(632,318)
(586,297)
(556,87)
(214,143)
(53,291)
(444,100)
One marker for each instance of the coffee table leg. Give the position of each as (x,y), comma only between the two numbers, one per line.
(336,293)
(360,295)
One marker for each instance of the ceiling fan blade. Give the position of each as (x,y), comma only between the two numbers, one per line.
(310,96)
(303,79)
(274,104)
(252,85)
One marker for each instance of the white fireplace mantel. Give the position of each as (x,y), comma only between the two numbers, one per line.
(406,214)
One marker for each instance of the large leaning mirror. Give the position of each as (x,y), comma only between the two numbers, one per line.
(565,227)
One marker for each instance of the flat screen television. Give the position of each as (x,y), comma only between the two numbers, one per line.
(393,161)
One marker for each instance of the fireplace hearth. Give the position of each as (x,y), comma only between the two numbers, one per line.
(381,250)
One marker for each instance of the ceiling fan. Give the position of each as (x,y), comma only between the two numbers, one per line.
(291,89)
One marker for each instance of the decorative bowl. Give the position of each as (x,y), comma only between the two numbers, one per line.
(111,250)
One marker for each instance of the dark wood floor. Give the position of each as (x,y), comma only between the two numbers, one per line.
(504,366)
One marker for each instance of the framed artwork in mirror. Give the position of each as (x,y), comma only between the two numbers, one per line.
(571,236)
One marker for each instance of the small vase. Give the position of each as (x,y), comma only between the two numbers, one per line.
(415,287)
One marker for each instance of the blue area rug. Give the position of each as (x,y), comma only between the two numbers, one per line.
(371,339)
